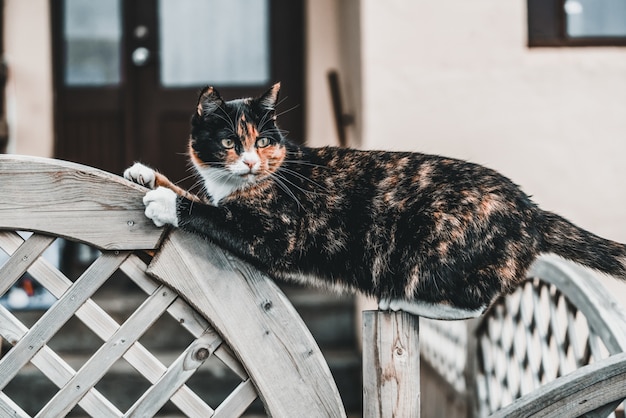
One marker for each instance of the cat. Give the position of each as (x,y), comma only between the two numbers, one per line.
(434,236)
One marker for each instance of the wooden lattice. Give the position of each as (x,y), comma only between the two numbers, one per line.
(553,324)
(230,311)
(119,340)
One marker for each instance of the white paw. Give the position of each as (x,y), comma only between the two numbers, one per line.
(384,304)
(161,206)
(140,174)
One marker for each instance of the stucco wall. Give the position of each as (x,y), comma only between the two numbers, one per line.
(29,85)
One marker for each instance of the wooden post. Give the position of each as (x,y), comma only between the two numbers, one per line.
(391,371)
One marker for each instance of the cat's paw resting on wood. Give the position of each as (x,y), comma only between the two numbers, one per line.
(434,236)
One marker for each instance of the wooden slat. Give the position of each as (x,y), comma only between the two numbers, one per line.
(21,259)
(135,269)
(257,322)
(582,391)
(8,408)
(227,357)
(63,198)
(55,368)
(237,402)
(97,366)
(177,374)
(104,326)
(58,315)
(391,373)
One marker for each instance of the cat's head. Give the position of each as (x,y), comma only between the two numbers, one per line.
(236,141)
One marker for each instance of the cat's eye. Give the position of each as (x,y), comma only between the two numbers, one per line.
(228,143)
(262,142)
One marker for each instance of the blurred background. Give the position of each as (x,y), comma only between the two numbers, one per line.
(533,88)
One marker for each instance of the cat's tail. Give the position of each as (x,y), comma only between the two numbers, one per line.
(563,238)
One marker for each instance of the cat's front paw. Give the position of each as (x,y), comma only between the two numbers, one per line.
(141,174)
(161,206)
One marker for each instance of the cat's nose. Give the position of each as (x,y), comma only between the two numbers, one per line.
(250,164)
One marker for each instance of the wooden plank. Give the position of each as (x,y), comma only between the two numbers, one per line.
(582,391)
(55,368)
(63,199)
(135,269)
(237,402)
(58,315)
(104,326)
(96,367)
(257,322)
(227,357)
(391,373)
(10,409)
(21,259)
(177,374)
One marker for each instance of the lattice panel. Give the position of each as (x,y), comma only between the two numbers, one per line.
(443,344)
(32,346)
(529,338)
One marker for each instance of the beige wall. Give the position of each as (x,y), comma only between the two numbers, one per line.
(29,85)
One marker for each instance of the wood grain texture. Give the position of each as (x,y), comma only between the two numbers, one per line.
(74,201)
(176,375)
(98,364)
(258,323)
(391,372)
(54,318)
(578,393)
(104,326)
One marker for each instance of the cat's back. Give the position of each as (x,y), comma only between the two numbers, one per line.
(399,177)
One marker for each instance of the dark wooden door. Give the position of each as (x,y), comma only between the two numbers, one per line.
(127,73)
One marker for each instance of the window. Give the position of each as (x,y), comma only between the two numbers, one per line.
(576,22)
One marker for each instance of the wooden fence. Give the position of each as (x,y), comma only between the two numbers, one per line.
(521,353)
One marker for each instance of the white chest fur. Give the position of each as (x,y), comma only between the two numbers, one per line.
(220,183)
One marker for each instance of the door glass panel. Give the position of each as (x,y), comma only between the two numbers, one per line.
(92,33)
(593,18)
(214,41)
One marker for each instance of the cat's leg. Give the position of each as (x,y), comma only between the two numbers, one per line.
(429,310)
(152,179)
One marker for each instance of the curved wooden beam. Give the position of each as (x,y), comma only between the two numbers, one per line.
(256,320)
(74,201)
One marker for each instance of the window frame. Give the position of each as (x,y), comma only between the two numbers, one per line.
(547,27)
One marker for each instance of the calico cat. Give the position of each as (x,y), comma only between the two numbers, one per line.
(434,236)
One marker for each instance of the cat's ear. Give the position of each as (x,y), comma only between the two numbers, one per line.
(269,99)
(208,102)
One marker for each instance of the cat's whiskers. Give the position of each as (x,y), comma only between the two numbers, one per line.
(265,120)
(306,179)
(277,179)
